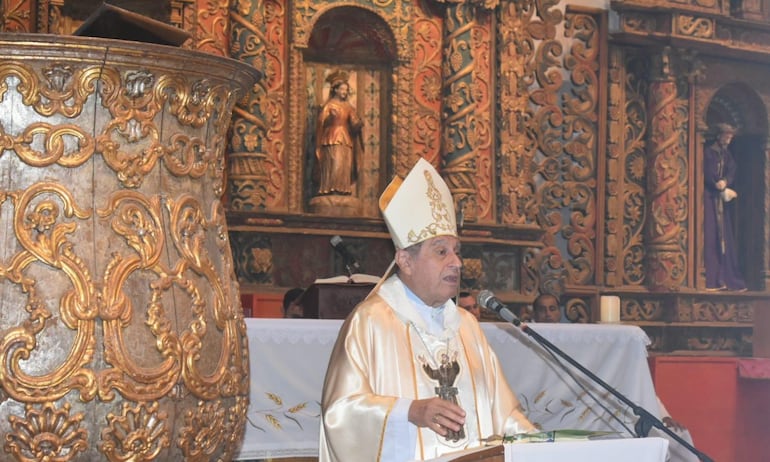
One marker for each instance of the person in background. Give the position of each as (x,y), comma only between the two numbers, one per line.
(291,306)
(468,301)
(546,308)
(411,376)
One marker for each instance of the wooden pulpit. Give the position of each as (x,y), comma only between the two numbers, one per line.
(489,454)
(333,300)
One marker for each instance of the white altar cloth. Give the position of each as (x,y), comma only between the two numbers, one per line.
(623,449)
(614,450)
(289,357)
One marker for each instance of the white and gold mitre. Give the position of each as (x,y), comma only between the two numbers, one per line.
(418,207)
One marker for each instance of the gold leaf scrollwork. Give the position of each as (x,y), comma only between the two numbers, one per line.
(194,107)
(441,219)
(48,434)
(189,232)
(712,311)
(103,299)
(203,431)
(236,422)
(642,310)
(67,90)
(138,434)
(130,143)
(64,92)
(56,140)
(189,228)
(39,228)
(138,220)
(188,156)
(133,108)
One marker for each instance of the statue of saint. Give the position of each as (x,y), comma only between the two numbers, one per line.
(338,139)
(719,256)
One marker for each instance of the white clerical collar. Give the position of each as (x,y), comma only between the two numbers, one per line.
(411,310)
(433,316)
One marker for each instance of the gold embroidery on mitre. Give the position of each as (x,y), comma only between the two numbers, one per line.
(442,220)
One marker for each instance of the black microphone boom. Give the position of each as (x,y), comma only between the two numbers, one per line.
(488,300)
(350,261)
(646,420)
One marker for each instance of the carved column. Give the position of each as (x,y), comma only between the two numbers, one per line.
(459,167)
(516,151)
(248,174)
(667,183)
(18,15)
(208,22)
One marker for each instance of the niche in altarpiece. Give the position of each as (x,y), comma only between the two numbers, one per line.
(348,68)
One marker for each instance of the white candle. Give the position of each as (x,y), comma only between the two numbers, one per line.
(610,308)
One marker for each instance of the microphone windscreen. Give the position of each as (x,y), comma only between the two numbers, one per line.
(484,297)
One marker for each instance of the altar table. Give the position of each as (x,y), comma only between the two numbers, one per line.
(613,450)
(289,358)
(625,449)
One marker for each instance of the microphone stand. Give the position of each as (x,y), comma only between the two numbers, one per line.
(349,267)
(351,264)
(646,420)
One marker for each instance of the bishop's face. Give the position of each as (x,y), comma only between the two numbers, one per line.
(432,272)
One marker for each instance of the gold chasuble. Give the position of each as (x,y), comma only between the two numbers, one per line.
(385,352)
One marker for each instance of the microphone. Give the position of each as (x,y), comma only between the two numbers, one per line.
(488,300)
(350,261)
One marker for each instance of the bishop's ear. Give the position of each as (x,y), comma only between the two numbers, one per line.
(404,261)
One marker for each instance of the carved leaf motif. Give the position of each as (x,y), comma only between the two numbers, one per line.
(203,432)
(46,434)
(138,434)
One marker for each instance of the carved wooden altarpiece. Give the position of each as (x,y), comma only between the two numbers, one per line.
(573,148)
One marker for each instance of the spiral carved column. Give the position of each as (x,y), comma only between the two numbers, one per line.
(666,261)
(121,331)
(458,107)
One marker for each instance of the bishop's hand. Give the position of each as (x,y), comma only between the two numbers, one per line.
(438,414)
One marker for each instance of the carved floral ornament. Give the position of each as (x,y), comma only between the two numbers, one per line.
(133,109)
(485,4)
(119,296)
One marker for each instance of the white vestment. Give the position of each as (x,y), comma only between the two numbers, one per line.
(384,352)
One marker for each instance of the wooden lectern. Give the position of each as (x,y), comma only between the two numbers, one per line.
(488,454)
(333,300)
